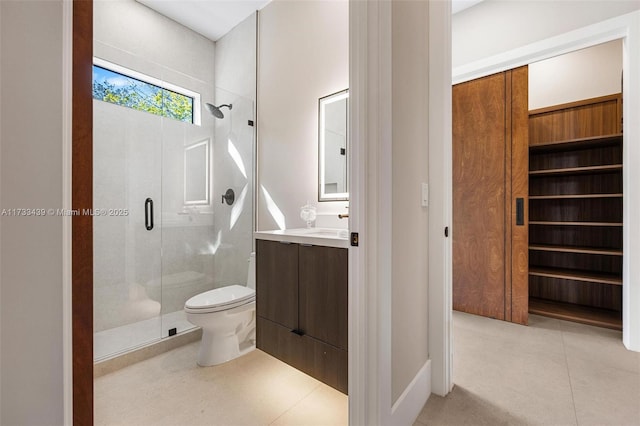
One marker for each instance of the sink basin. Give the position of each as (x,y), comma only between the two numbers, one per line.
(320,232)
(328,237)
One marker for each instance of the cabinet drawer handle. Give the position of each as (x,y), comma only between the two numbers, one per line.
(285,242)
(306,245)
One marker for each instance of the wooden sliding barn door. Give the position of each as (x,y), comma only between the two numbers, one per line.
(490,175)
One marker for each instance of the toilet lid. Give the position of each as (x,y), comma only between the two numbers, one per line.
(223,296)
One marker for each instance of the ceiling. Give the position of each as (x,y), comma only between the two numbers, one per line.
(211,18)
(214,18)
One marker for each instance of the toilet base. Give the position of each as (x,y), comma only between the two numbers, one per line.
(226,334)
(217,349)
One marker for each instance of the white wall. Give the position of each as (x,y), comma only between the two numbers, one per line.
(235,81)
(496,26)
(235,59)
(410,234)
(584,74)
(134,28)
(31,247)
(303,56)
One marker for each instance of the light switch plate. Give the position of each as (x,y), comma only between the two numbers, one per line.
(425,195)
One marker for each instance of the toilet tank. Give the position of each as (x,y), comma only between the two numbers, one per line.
(251,277)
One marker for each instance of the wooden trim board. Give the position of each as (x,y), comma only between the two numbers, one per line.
(82,225)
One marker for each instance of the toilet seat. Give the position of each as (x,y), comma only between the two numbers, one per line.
(220,299)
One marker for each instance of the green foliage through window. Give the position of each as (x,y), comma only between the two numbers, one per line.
(120,89)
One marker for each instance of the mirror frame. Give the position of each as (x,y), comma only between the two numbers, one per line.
(206,200)
(322,102)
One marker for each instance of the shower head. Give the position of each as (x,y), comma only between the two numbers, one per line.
(215,111)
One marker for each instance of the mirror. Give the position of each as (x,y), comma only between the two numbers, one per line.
(332,147)
(196,173)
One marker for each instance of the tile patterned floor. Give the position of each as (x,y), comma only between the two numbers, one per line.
(550,373)
(256,389)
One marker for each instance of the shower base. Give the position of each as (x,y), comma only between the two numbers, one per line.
(114,349)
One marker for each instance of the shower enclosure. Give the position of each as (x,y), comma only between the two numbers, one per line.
(161,164)
(162,232)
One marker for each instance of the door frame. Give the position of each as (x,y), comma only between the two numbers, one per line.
(627,28)
(370,61)
(78,193)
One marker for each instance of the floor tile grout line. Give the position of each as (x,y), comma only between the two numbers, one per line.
(566,360)
(295,404)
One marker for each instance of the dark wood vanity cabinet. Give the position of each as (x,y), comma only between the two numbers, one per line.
(302,306)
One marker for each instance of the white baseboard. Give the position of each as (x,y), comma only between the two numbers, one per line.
(406,409)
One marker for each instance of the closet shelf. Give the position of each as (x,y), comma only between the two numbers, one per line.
(574,196)
(580,143)
(575,215)
(571,274)
(579,250)
(576,313)
(577,170)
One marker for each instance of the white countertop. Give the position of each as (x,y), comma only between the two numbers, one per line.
(328,237)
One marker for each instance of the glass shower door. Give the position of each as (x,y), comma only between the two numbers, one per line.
(127,239)
(206,241)
(233,169)
(187,217)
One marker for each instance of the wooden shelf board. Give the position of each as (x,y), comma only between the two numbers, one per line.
(543,222)
(578,143)
(576,313)
(577,170)
(574,196)
(581,250)
(569,274)
(574,104)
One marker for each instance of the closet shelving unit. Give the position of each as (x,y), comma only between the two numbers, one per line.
(575,212)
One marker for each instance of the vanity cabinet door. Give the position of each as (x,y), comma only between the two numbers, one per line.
(277,282)
(281,343)
(323,281)
(326,363)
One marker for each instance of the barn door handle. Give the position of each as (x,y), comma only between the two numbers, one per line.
(519,211)
(148,214)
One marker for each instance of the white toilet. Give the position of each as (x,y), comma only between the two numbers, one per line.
(227,316)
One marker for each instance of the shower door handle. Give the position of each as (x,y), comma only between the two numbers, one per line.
(148,214)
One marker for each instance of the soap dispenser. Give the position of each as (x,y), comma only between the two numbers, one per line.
(308,213)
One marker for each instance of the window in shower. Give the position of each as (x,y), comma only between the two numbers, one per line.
(121,86)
